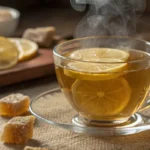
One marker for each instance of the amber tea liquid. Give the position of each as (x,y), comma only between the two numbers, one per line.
(112,95)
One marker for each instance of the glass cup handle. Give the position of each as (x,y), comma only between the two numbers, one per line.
(147,104)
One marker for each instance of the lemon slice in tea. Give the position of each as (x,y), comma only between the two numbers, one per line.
(98,54)
(97,64)
(101,98)
(27,49)
(8,54)
(92,71)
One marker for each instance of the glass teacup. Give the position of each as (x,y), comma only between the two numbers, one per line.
(105,79)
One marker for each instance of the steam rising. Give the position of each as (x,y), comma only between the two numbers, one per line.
(110,17)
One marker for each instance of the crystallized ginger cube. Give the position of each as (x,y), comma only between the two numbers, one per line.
(18,130)
(14,105)
(43,36)
(34,148)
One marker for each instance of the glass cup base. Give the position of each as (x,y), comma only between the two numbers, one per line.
(83,122)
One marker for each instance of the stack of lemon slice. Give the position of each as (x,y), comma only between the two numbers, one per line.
(14,50)
(8,54)
(99,89)
(97,63)
(27,49)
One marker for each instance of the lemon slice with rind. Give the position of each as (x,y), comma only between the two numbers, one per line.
(27,49)
(8,54)
(99,99)
(97,64)
(99,54)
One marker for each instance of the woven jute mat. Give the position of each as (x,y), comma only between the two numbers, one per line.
(55,107)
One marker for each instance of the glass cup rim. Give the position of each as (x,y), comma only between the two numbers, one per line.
(102,37)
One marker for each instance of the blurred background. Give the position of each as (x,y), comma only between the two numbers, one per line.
(35,13)
(51,3)
(58,13)
(29,3)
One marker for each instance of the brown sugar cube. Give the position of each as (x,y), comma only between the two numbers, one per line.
(43,36)
(34,148)
(18,130)
(14,105)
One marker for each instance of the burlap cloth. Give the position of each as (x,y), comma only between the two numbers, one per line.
(55,107)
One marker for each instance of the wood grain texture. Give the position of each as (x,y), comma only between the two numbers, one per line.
(39,66)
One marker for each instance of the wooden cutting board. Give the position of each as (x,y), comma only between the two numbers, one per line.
(39,66)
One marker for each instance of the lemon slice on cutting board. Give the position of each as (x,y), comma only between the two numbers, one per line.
(8,54)
(97,64)
(27,49)
(101,98)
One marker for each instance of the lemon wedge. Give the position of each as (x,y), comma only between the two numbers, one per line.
(101,98)
(97,64)
(27,49)
(8,54)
